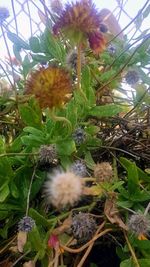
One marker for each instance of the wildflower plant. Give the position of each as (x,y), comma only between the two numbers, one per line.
(55,113)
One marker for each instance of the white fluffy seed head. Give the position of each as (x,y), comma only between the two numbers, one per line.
(63,189)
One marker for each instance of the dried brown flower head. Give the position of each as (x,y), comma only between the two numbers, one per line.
(103,172)
(50,86)
(81,21)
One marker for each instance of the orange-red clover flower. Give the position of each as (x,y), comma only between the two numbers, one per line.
(81,21)
(50,86)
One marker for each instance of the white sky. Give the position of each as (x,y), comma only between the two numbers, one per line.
(131,7)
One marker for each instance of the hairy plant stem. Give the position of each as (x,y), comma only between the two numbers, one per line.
(29,191)
(18,154)
(79,50)
(60,119)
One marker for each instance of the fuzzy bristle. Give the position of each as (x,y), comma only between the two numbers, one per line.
(63,189)
(83,227)
(103,172)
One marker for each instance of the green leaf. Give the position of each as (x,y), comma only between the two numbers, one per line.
(89,160)
(17,40)
(105,111)
(38,218)
(3,214)
(86,85)
(142,244)
(133,179)
(130,263)
(37,244)
(92,129)
(53,46)
(27,65)
(127,263)
(40,58)
(16,51)
(67,147)
(93,142)
(16,145)
(2,145)
(146,12)
(65,161)
(141,174)
(29,116)
(34,44)
(106,76)
(14,190)
(4,192)
(34,131)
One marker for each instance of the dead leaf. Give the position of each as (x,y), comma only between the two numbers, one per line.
(92,191)
(6,263)
(109,19)
(112,212)
(29,264)
(64,227)
(21,240)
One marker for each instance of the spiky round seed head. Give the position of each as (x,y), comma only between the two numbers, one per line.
(4,14)
(132,77)
(63,189)
(103,172)
(26,224)
(83,227)
(79,136)
(47,154)
(111,49)
(79,168)
(139,224)
(71,59)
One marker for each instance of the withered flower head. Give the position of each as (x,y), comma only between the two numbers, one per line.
(47,154)
(50,86)
(81,21)
(103,172)
(4,14)
(139,224)
(26,224)
(83,227)
(132,77)
(97,42)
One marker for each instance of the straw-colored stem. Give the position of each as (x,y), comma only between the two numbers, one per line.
(131,250)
